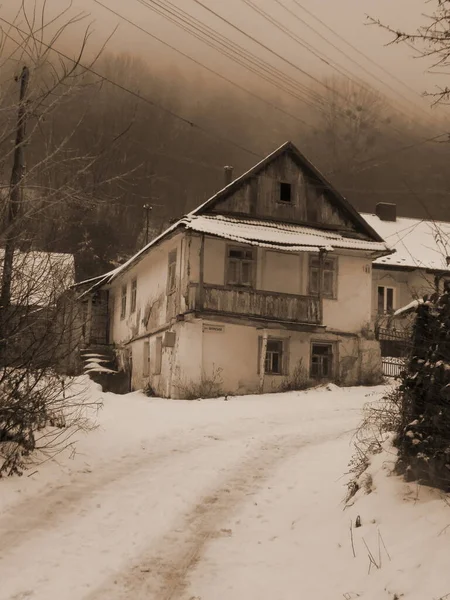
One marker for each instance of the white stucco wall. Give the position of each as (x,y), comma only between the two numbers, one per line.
(287,273)
(227,355)
(351,310)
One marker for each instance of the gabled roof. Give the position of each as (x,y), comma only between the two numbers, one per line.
(288,147)
(419,243)
(264,233)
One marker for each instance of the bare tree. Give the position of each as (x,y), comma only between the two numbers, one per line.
(431,40)
(40,408)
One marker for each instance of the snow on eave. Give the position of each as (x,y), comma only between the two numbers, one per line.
(108,277)
(408,308)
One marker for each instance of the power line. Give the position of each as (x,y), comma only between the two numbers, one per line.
(173,114)
(237,85)
(234,51)
(360,52)
(320,55)
(191,124)
(355,62)
(252,38)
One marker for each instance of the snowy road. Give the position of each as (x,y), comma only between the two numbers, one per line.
(175,500)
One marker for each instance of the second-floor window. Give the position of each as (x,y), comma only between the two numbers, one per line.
(240,266)
(386,299)
(172,272)
(123,302)
(329,276)
(133,295)
(285,192)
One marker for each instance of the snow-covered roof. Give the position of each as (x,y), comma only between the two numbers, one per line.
(418,243)
(281,236)
(268,234)
(40,277)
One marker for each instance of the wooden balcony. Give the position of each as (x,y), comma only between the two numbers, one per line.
(256,303)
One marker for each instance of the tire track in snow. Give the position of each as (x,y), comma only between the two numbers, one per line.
(163,571)
(47,509)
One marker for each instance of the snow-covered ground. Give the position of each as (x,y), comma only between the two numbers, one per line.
(213,500)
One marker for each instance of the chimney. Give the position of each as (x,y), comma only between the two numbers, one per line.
(228,171)
(386,211)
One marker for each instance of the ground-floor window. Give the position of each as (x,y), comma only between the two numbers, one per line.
(274,357)
(321,361)
(275,360)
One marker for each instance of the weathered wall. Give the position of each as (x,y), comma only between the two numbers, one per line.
(154,309)
(225,357)
(259,197)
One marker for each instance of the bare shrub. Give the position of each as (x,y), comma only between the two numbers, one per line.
(299,379)
(210,386)
(380,418)
(40,412)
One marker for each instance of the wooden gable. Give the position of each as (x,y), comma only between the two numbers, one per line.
(285,187)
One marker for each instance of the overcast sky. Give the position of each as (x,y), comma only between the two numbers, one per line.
(345,17)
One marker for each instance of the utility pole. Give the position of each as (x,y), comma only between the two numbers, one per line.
(147,209)
(14,203)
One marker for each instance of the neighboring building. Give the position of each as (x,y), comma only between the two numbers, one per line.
(263,286)
(38,281)
(419,266)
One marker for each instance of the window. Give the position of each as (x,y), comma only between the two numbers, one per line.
(123,303)
(274,357)
(240,266)
(146,360)
(275,361)
(133,295)
(285,192)
(328,276)
(158,356)
(322,361)
(171,272)
(385,299)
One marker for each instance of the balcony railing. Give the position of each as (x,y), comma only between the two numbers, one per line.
(256,303)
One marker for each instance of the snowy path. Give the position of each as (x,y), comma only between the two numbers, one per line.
(178,500)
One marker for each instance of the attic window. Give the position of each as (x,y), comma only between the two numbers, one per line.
(285,192)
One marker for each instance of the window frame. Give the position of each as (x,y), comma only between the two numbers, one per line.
(332,355)
(385,310)
(334,260)
(282,185)
(133,298)
(252,261)
(123,301)
(283,360)
(172,259)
